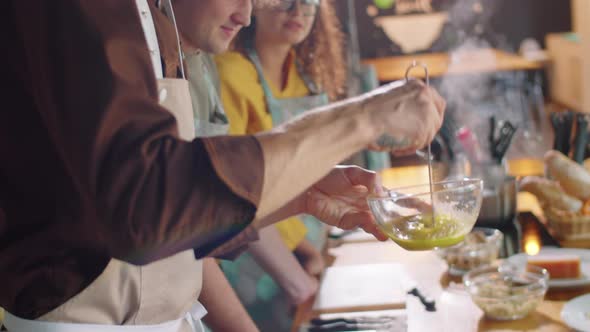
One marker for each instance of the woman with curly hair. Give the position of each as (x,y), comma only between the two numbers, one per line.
(290,59)
(295,49)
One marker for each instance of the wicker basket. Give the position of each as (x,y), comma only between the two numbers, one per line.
(568,225)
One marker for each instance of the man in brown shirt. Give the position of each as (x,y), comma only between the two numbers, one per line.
(91,167)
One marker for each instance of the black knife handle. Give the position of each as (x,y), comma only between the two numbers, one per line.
(319,321)
(568,122)
(581,138)
(429,304)
(557,123)
(492,135)
(341,327)
(355,320)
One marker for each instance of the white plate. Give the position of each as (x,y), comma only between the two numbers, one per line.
(576,313)
(521,260)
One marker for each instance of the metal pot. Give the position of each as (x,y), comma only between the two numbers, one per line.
(499,204)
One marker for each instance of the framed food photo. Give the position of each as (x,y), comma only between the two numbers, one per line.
(401,27)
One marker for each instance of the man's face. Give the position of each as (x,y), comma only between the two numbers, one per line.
(210,25)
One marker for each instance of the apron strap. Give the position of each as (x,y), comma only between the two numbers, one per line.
(255,59)
(167,5)
(16,324)
(149,30)
(282,110)
(192,317)
(311,85)
(253,56)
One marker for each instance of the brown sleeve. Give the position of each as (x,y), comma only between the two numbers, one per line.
(146,194)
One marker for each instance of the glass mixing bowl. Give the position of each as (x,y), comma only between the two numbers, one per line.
(480,247)
(505,291)
(417,220)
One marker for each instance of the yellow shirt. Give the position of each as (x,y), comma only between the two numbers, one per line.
(245,106)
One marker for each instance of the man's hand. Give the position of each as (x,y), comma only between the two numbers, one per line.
(410,114)
(340,199)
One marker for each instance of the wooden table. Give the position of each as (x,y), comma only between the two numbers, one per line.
(440,64)
(456,312)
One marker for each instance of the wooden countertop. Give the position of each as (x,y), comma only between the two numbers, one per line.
(440,64)
(429,271)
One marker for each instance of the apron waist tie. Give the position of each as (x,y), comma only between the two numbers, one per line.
(193,318)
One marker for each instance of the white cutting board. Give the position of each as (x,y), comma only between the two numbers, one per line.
(363,287)
(355,236)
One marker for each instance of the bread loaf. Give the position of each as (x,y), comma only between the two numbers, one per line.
(558,266)
(572,177)
(550,193)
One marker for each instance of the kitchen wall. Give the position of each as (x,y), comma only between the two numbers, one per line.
(502,23)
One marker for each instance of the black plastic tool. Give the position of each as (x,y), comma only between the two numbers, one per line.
(581,138)
(429,304)
(562,127)
(503,142)
(355,320)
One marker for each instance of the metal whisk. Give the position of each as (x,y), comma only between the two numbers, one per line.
(429,155)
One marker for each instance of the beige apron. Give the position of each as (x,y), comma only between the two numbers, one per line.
(159,297)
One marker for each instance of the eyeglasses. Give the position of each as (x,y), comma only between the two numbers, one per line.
(307,7)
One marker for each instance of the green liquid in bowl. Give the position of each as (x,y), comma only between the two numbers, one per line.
(416,245)
(418,233)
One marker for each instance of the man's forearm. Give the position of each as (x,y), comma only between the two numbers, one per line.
(302,152)
(299,153)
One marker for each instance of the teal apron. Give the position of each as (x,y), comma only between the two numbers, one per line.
(283,110)
(256,289)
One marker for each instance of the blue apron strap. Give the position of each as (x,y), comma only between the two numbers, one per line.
(311,85)
(270,99)
(253,56)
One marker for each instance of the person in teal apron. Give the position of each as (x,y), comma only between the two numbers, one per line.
(305,36)
(283,110)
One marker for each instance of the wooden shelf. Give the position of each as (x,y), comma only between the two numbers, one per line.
(441,64)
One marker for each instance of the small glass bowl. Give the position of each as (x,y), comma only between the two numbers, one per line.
(480,247)
(507,292)
(417,220)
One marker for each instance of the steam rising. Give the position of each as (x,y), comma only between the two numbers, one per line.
(474,98)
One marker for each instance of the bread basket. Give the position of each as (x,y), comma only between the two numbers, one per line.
(567,225)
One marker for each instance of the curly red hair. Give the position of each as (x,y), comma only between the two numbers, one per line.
(321,53)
